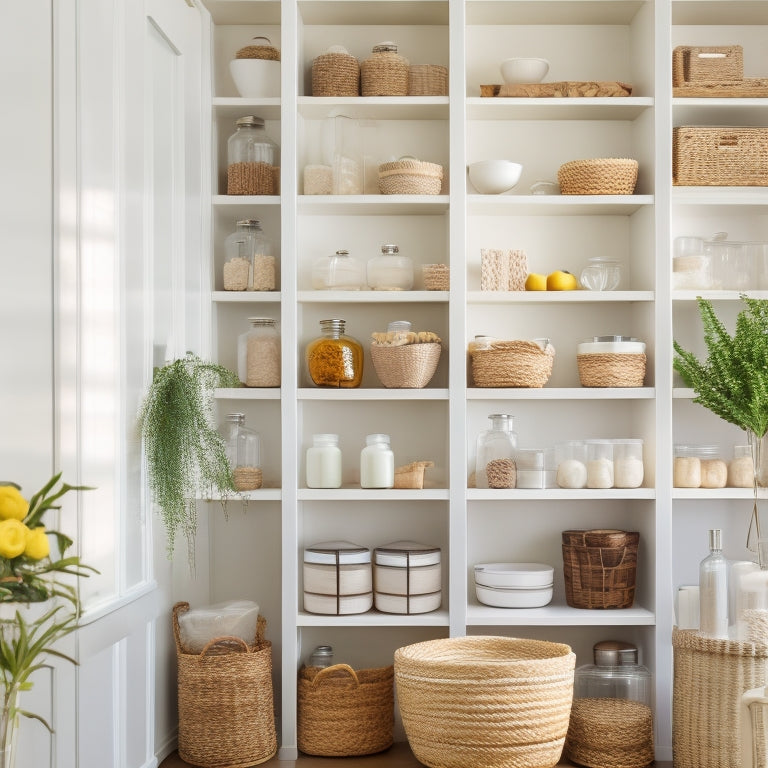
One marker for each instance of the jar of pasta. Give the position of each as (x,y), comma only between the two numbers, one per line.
(258,354)
(335,360)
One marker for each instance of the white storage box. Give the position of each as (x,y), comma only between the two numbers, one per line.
(514,585)
(233,618)
(337,578)
(407,577)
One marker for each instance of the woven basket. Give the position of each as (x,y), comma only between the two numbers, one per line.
(336,74)
(599,176)
(267,52)
(385,73)
(485,702)
(696,64)
(343,712)
(226,708)
(503,270)
(247,178)
(512,364)
(437,277)
(427,80)
(599,576)
(720,156)
(611,369)
(410,366)
(409,176)
(710,675)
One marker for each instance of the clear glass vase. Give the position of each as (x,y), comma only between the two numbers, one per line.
(757,534)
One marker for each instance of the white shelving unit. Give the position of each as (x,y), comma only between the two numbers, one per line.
(626,40)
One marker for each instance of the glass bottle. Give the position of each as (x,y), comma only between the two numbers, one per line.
(496,446)
(347,157)
(615,674)
(243,447)
(324,462)
(335,360)
(249,264)
(338,272)
(252,164)
(390,271)
(322,657)
(713,589)
(258,354)
(377,463)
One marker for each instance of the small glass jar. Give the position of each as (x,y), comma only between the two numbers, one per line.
(628,467)
(324,462)
(615,674)
(390,271)
(530,468)
(496,448)
(699,466)
(321,657)
(252,164)
(377,463)
(338,272)
(571,464)
(250,264)
(398,330)
(258,354)
(385,72)
(741,468)
(601,274)
(335,360)
(599,464)
(243,447)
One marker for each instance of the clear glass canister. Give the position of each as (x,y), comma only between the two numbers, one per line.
(699,466)
(571,464)
(324,462)
(258,354)
(338,272)
(377,463)
(599,463)
(252,159)
(243,447)
(250,263)
(322,656)
(615,674)
(334,359)
(390,271)
(495,459)
(741,468)
(385,72)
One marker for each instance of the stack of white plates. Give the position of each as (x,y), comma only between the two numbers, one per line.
(514,585)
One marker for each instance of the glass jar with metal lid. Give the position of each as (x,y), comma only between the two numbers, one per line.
(243,451)
(495,460)
(391,271)
(252,159)
(250,263)
(334,359)
(337,272)
(385,72)
(615,674)
(258,354)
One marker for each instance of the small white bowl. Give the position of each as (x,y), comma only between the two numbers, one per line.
(536,597)
(514,575)
(492,177)
(256,78)
(524,70)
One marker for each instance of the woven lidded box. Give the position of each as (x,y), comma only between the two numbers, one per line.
(714,63)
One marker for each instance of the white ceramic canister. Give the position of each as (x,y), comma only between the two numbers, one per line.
(406,568)
(377,463)
(324,462)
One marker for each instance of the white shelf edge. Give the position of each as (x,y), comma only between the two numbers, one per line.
(374,618)
(375,107)
(569,108)
(557,297)
(552,494)
(718,494)
(717,295)
(262,494)
(369,494)
(251,200)
(372,297)
(309,393)
(246,297)
(246,393)
(557,615)
(741,196)
(387,205)
(561,393)
(551,205)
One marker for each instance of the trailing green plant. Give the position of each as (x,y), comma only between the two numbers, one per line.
(185,454)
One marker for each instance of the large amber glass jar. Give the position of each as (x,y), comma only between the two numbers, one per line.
(335,360)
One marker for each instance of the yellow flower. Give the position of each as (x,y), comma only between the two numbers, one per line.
(37,546)
(13,538)
(13,506)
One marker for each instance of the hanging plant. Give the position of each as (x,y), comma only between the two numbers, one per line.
(185,454)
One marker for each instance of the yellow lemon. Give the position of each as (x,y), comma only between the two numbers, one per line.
(37,546)
(535,282)
(13,506)
(561,281)
(13,538)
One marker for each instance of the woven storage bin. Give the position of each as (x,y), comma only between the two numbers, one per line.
(611,369)
(697,64)
(437,277)
(511,364)
(427,80)
(503,270)
(410,366)
(710,675)
(599,176)
(485,702)
(409,176)
(598,576)
(385,73)
(335,74)
(259,51)
(343,712)
(720,156)
(226,709)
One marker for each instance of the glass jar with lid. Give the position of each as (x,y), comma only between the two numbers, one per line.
(258,354)
(253,167)
(243,447)
(699,466)
(334,359)
(495,459)
(390,271)
(321,657)
(249,262)
(615,674)
(337,272)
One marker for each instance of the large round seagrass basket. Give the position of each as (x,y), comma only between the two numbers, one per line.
(485,701)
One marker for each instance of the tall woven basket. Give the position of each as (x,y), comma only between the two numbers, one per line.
(710,675)
(226,708)
(485,701)
(344,712)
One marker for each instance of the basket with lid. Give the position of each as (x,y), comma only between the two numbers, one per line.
(611,361)
(336,73)
(256,69)
(410,176)
(407,577)
(337,578)
(385,72)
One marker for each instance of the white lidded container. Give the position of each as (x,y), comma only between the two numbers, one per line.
(377,463)
(514,585)
(324,462)
(407,577)
(337,578)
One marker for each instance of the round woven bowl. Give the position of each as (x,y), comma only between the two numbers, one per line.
(410,177)
(410,366)
(611,369)
(485,701)
(600,176)
(511,364)
(335,74)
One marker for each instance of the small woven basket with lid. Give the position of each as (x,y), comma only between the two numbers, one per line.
(598,176)
(263,50)
(409,176)
(336,73)
(385,72)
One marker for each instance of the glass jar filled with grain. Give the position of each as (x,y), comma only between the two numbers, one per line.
(335,360)
(252,159)
(250,263)
(243,448)
(258,354)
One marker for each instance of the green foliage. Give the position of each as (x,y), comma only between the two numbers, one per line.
(733,380)
(185,453)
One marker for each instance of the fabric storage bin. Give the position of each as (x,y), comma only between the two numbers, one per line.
(225,700)
(337,578)
(713,63)
(720,156)
(409,176)
(336,73)
(512,364)
(407,578)
(342,712)
(385,72)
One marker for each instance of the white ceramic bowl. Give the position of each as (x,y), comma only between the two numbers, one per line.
(492,177)
(536,597)
(256,78)
(520,70)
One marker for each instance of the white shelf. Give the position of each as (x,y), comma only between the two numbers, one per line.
(262,494)
(557,297)
(717,295)
(247,297)
(373,12)
(247,393)
(719,196)
(370,494)
(561,393)
(606,108)
(373,618)
(493,12)
(372,297)
(386,205)
(244,200)
(558,494)
(510,204)
(360,393)
(718,494)
(558,615)
(712,12)
(233,107)
(375,107)
(265,12)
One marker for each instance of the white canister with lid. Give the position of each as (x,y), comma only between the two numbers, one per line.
(407,577)
(338,578)
(377,463)
(627,345)
(324,462)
